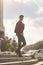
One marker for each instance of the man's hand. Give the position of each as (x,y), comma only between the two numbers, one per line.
(21,33)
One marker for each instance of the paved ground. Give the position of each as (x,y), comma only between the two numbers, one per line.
(23,62)
(26,62)
(39,63)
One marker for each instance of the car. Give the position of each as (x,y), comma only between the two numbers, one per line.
(30,53)
(23,52)
(39,54)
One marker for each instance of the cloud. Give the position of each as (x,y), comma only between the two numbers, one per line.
(13,8)
(40,12)
(29,9)
(7,1)
(23,1)
(38,22)
(40,2)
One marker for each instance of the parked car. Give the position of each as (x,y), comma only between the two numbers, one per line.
(39,54)
(23,52)
(30,53)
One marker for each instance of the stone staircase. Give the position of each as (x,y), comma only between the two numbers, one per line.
(8,59)
(26,62)
(12,59)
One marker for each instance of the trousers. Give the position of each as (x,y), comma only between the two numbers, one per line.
(21,41)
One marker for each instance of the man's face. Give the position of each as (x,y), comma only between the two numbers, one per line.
(21,18)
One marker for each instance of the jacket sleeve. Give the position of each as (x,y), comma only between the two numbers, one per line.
(23,26)
(15,28)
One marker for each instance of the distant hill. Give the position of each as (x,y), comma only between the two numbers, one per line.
(38,45)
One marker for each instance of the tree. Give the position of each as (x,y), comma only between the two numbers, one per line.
(36,46)
(13,45)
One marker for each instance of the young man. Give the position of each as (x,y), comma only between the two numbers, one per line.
(19,32)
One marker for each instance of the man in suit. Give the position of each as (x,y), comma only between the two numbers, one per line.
(19,32)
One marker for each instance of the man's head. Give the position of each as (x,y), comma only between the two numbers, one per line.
(21,17)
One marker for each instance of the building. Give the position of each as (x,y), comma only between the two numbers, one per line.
(1,19)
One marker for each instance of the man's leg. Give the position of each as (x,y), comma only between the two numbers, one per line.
(23,40)
(19,46)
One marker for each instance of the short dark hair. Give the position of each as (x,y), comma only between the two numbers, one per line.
(21,16)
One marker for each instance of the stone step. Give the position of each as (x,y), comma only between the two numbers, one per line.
(27,62)
(11,59)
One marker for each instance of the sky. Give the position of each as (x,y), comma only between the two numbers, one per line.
(33,18)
